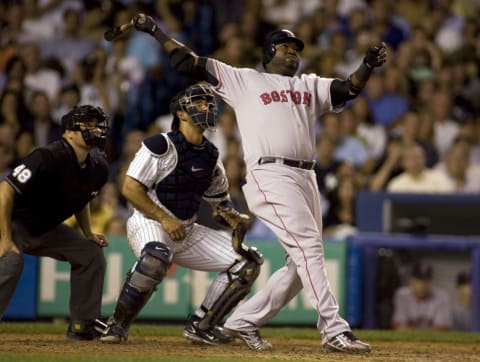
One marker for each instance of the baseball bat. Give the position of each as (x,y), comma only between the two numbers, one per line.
(115,32)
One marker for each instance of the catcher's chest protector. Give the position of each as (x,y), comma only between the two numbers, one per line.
(182,189)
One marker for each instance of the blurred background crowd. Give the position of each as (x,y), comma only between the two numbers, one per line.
(415,127)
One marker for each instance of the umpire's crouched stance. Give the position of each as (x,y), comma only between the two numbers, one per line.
(50,185)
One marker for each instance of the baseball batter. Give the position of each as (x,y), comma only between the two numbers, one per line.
(165,182)
(276,113)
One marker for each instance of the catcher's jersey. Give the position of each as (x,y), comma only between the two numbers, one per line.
(51,186)
(178,174)
(276,114)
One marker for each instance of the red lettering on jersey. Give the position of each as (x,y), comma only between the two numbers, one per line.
(296,97)
(266,98)
(286,95)
(275,96)
(307,98)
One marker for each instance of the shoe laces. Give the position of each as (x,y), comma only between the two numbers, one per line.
(350,336)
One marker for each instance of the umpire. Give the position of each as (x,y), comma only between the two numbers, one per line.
(51,184)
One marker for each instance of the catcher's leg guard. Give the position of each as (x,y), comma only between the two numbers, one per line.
(141,282)
(228,289)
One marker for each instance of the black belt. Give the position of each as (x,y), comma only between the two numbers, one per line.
(307,165)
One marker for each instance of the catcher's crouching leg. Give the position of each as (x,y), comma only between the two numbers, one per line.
(140,283)
(230,287)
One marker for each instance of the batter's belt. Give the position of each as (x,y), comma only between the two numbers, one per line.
(306,165)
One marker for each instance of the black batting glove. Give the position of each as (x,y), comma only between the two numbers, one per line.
(376,55)
(145,23)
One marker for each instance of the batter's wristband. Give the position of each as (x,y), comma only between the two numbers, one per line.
(362,74)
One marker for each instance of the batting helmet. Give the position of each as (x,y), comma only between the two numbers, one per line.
(90,118)
(185,101)
(277,37)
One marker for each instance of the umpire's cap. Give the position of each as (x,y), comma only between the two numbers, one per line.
(277,37)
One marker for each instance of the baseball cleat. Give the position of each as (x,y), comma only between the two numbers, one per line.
(346,342)
(114,334)
(211,336)
(252,339)
(82,331)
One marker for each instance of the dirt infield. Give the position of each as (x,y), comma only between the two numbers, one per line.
(168,348)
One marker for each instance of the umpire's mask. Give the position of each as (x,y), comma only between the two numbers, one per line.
(199,102)
(91,121)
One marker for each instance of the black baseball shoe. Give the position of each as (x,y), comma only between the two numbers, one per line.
(114,333)
(346,342)
(252,339)
(82,331)
(211,336)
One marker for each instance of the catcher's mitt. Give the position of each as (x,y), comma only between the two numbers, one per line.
(228,216)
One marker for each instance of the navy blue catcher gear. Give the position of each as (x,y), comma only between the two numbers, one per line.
(87,119)
(187,101)
(278,37)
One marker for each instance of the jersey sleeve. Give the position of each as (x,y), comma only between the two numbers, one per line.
(230,81)
(323,95)
(24,176)
(218,189)
(149,168)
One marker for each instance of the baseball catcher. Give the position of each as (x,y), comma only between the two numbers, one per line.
(165,182)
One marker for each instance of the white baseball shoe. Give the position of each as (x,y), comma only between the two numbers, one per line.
(346,342)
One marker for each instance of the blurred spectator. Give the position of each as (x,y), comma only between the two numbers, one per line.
(94,86)
(419,305)
(101,214)
(388,166)
(38,77)
(14,76)
(371,134)
(462,305)
(110,196)
(386,25)
(326,165)
(386,106)
(116,226)
(469,133)
(42,127)
(417,177)
(10,112)
(444,128)
(130,146)
(339,220)
(68,46)
(68,98)
(464,177)
(407,131)
(347,147)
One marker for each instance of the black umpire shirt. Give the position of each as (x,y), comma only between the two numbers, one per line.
(51,186)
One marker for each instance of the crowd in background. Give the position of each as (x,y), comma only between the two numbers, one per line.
(415,127)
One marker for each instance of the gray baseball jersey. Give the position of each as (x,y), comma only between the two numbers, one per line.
(276,117)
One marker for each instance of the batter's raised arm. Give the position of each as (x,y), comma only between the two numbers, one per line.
(344,90)
(183,59)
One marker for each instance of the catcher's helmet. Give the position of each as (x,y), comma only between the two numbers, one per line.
(277,37)
(185,101)
(87,119)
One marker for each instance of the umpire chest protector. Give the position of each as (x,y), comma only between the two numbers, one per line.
(181,191)
(56,186)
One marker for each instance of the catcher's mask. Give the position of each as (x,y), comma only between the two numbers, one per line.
(188,101)
(278,37)
(91,121)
